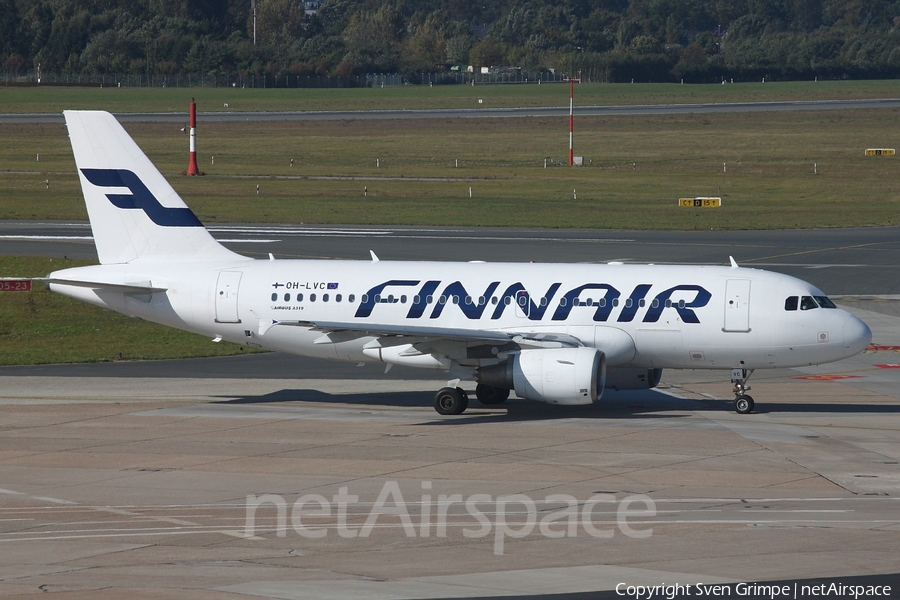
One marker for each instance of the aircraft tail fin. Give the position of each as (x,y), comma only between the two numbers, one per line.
(134,212)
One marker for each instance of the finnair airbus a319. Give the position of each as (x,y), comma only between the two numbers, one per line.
(558,333)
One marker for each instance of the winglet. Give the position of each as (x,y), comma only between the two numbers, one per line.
(734,264)
(374,258)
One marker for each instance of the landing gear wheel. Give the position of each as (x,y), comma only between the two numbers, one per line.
(743,405)
(451,401)
(488,394)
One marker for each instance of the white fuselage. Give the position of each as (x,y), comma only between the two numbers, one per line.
(652,316)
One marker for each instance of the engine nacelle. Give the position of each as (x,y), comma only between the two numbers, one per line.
(630,378)
(553,375)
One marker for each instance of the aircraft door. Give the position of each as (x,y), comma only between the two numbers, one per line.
(227,297)
(737,305)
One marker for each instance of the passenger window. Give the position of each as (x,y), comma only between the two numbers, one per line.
(299,297)
(287,297)
(337,298)
(807,303)
(791,303)
(324,297)
(628,302)
(352,298)
(312,297)
(274,297)
(825,302)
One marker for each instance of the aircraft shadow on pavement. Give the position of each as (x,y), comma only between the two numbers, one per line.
(811,407)
(613,405)
(396,399)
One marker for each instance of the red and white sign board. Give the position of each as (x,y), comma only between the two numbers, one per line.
(15,285)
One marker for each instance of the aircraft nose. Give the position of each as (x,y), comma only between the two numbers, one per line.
(857,335)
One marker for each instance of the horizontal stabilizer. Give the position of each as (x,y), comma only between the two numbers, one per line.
(127,288)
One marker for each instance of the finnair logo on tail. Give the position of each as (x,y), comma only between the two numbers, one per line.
(140,198)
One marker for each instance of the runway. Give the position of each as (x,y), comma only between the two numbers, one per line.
(485,112)
(856,261)
(284,477)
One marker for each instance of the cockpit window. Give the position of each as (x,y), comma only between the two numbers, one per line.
(808,303)
(791,303)
(825,302)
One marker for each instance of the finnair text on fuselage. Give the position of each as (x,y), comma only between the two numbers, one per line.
(430,298)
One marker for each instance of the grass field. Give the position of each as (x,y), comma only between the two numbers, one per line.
(57,99)
(772,170)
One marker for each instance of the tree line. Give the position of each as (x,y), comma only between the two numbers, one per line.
(600,40)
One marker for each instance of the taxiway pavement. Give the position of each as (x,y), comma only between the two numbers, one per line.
(257,475)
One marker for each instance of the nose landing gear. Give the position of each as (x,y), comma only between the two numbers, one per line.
(743,402)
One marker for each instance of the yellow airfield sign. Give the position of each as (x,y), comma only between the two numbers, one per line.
(880,152)
(700,202)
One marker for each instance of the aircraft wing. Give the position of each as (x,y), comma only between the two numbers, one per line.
(523,339)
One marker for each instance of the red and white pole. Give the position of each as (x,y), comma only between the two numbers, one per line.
(192,165)
(571,121)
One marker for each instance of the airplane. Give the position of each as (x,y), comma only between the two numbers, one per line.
(557,333)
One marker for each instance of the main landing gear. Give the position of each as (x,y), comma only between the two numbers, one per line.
(743,402)
(454,401)
(488,394)
(451,401)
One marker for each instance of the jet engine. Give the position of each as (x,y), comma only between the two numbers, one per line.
(631,378)
(553,375)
